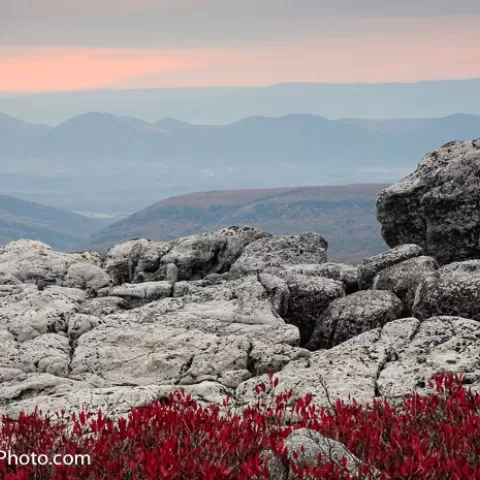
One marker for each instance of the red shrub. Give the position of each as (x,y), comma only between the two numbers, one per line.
(432,437)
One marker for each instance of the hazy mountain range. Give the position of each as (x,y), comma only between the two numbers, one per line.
(223,105)
(58,228)
(99,162)
(345,215)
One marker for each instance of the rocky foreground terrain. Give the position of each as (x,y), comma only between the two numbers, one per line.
(213,313)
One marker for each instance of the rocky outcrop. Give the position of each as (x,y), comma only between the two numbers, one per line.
(189,258)
(369,267)
(438,205)
(452,290)
(281,250)
(309,297)
(342,272)
(394,360)
(403,278)
(216,312)
(349,316)
(31,261)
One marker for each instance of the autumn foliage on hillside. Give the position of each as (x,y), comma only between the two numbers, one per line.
(432,437)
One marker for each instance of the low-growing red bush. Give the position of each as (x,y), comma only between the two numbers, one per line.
(432,437)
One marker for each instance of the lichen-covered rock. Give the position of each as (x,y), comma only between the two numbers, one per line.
(79,323)
(342,272)
(241,307)
(438,205)
(354,314)
(144,261)
(452,290)
(31,261)
(188,258)
(86,276)
(143,354)
(440,344)
(403,278)
(309,297)
(197,256)
(369,267)
(139,294)
(276,251)
(101,306)
(394,360)
(117,260)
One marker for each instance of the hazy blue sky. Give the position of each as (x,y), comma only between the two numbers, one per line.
(63,44)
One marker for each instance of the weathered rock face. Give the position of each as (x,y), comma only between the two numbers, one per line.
(369,267)
(309,297)
(281,250)
(342,272)
(30,261)
(116,261)
(349,316)
(403,278)
(452,290)
(393,360)
(212,252)
(189,258)
(438,205)
(216,312)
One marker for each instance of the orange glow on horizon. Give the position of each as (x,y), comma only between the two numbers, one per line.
(431,48)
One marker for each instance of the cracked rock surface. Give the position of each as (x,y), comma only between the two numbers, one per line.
(214,313)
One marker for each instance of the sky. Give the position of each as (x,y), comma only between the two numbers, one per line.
(63,45)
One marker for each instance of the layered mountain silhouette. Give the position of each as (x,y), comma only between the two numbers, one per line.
(257,152)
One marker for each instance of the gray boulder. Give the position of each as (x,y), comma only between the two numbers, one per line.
(31,261)
(403,278)
(354,314)
(281,250)
(342,272)
(197,256)
(101,306)
(452,290)
(438,205)
(86,276)
(369,267)
(309,297)
(116,261)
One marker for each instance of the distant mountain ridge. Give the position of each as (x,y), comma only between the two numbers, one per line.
(224,105)
(345,215)
(127,163)
(58,228)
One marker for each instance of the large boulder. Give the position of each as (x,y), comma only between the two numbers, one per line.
(342,272)
(309,297)
(438,205)
(354,314)
(452,290)
(403,278)
(281,250)
(369,267)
